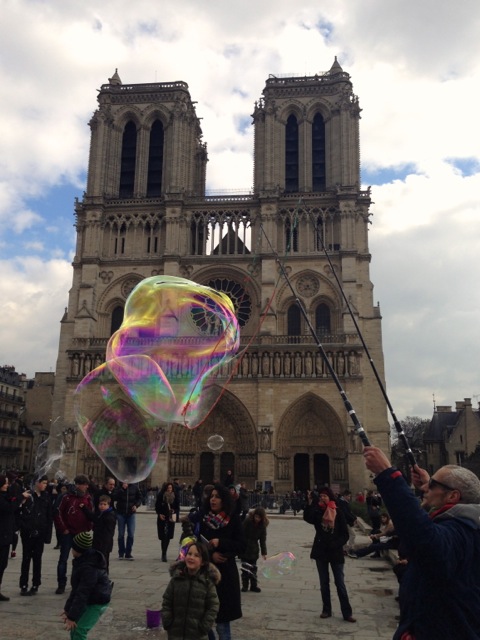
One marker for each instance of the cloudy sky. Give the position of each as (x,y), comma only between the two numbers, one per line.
(415,67)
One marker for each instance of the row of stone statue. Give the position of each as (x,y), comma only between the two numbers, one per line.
(297,364)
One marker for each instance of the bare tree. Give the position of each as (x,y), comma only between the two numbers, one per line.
(414,428)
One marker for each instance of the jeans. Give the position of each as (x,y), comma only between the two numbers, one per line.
(65,546)
(223,630)
(323,574)
(128,522)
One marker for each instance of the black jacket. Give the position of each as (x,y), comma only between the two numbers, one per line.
(8,507)
(327,545)
(36,517)
(90,584)
(104,523)
(232,543)
(125,499)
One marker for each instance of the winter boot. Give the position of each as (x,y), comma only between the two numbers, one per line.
(254,584)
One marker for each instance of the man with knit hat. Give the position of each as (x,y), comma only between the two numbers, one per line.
(70,520)
(91,588)
(331,533)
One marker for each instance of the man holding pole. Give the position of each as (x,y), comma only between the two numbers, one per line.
(440,591)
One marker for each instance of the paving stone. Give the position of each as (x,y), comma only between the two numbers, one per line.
(286,608)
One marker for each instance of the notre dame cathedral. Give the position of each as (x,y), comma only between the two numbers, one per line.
(145,212)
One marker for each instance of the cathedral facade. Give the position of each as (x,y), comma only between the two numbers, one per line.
(145,212)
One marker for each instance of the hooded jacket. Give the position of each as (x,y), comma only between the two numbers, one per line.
(190,603)
(90,584)
(440,590)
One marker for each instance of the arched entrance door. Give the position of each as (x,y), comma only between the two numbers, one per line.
(311,445)
(301,472)
(321,469)
(207,471)
(189,455)
(227,462)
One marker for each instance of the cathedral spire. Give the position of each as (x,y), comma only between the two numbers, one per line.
(115,79)
(335,68)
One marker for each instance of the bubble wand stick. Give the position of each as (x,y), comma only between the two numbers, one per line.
(398,427)
(359,430)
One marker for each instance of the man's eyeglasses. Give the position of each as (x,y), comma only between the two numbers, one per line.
(435,483)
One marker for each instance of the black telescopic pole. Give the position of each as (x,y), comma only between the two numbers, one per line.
(359,430)
(398,427)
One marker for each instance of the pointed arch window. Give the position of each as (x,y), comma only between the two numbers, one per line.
(291,236)
(116,320)
(155,160)
(129,156)
(291,154)
(322,319)
(294,320)
(318,154)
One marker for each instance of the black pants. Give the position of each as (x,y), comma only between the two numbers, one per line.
(32,551)
(249,574)
(4,553)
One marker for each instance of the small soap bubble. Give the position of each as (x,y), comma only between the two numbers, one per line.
(215,442)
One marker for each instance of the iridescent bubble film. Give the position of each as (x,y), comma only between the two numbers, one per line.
(160,369)
(278,566)
(215,442)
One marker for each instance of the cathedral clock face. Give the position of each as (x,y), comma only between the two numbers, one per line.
(242,302)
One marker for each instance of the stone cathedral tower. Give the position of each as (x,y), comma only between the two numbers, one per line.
(145,213)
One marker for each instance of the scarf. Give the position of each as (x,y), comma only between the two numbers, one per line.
(216,520)
(329,515)
(168,497)
(436,512)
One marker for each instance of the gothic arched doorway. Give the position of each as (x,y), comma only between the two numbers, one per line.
(190,457)
(311,445)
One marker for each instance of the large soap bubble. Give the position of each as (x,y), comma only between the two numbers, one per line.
(278,566)
(160,369)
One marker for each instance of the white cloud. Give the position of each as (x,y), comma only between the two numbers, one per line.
(414,66)
(33,296)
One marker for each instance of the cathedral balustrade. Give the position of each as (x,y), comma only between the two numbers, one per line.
(271,357)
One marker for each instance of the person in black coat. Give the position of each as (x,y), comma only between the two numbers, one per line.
(91,587)
(127,499)
(8,506)
(36,524)
(104,523)
(331,534)
(373,508)
(108,489)
(167,507)
(222,530)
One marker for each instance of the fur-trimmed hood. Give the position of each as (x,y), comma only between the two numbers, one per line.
(178,568)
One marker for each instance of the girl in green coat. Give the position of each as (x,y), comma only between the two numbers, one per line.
(190,602)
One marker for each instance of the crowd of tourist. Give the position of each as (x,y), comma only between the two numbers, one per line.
(435,531)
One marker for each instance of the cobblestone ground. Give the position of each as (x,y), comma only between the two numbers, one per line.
(286,608)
